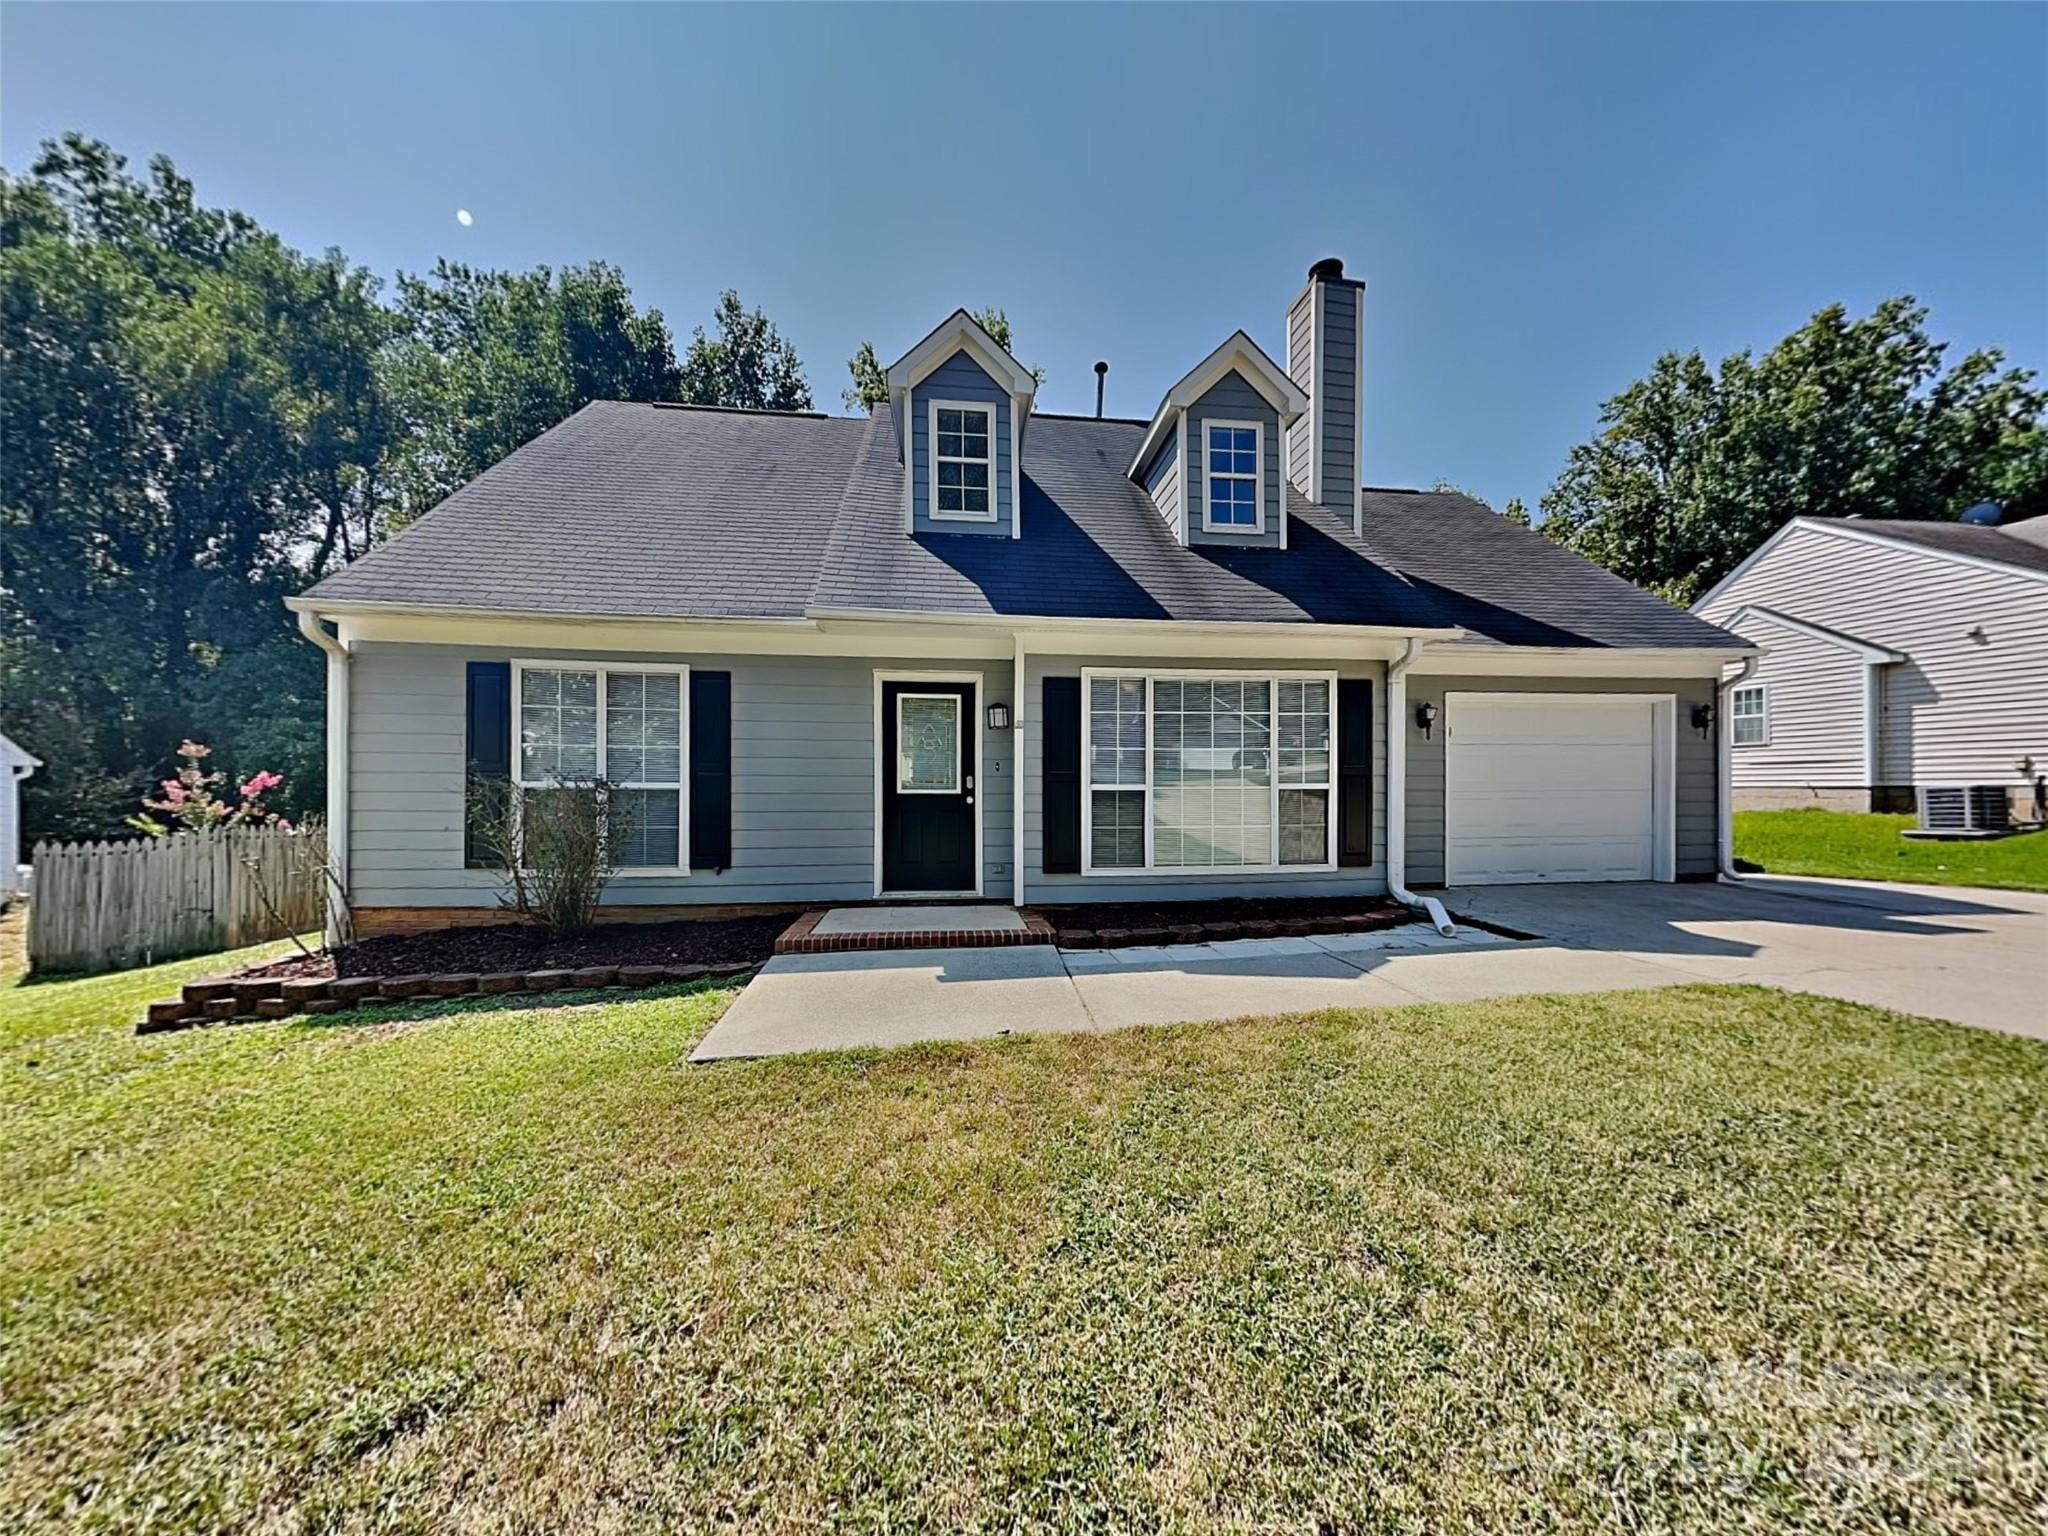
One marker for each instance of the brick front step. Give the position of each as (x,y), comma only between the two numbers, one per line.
(800,939)
(229,1000)
(1224,932)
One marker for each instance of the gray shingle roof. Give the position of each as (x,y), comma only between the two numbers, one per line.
(650,511)
(1984,542)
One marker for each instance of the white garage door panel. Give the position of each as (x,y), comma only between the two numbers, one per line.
(1550,789)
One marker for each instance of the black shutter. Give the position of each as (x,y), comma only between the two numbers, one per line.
(487,752)
(1354,771)
(1060,780)
(710,770)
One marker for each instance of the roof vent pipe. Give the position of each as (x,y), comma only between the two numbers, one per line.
(1101,378)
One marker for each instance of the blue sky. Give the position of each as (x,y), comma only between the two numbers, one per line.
(1542,198)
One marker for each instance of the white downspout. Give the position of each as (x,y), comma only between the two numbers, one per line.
(1017,695)
(1724,771)
(337,770)
(1397,793)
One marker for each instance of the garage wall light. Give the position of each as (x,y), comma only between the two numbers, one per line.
(1425,717)
(1703,718)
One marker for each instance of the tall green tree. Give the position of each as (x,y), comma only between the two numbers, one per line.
(487,360)
(747,364)
(190,419)
(1694,466)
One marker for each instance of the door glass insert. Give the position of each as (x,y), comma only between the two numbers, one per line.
(927,744)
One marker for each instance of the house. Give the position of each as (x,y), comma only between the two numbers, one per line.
(15,765)
(1899,655)
(966,648)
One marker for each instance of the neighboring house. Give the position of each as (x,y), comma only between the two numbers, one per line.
(15,765)
(1899,654)
(966,648)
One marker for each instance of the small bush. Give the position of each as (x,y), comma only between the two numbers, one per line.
(557,848)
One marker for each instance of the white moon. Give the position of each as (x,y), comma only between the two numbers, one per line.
(462,217)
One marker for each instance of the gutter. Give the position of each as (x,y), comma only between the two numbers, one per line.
(337,771)
(1724,770)
(1397,793)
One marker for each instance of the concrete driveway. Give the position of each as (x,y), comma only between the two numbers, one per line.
(1972,956)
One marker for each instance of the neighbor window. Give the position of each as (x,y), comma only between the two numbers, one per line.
(1190,772)
(621,724)
(1749,723)
(1234,470)
(963,461)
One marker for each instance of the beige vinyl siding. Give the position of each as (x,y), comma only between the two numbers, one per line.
(1959,709)
(1696,823)
(803,786)
(1814,701)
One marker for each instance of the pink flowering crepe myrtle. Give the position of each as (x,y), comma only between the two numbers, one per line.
(188,802)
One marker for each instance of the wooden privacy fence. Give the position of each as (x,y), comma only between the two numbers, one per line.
(106,906)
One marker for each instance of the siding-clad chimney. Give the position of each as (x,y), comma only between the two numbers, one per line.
(1325,356)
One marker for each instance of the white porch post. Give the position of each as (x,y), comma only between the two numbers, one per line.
(1018,694)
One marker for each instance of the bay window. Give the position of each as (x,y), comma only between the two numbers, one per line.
(626,725)
(1195,772)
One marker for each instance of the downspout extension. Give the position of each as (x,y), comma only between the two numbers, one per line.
(1397,794)
(1724,771)
(337,771)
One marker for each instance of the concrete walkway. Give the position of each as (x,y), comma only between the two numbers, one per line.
(1973,956)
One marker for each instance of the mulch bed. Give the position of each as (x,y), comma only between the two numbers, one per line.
(1113,924)
(517,947)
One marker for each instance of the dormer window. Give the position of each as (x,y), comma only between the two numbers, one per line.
(1234,503)
(963,461)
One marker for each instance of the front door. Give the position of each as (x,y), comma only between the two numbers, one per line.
(928,786)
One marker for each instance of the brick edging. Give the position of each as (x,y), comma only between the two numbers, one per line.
(800,939)
(1221,933)
(245,999)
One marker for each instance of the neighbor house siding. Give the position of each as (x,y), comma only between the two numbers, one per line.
(1814,697)
(1231,398)
(1696,822)
(1164,482)
(960,377)
(1959,709)
(803,782)
(1043,888)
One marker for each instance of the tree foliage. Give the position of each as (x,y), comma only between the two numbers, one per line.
(1694,467)
(197,421)
(488,360)
(747,363)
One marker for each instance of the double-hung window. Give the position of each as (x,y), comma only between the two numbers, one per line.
(625,725)
(1749,720)
(1235,502)
(1192,772)
(963,461)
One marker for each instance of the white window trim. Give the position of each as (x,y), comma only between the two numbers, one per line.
(1258,431)
(959,740)
(1763,692)
(604,669)
(1151,676)
(932,408)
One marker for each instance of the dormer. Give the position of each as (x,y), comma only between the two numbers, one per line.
(1212,458)
(960,404)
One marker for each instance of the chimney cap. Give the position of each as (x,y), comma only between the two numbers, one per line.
(1328,267)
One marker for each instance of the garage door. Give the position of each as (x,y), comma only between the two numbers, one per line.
(1549,787)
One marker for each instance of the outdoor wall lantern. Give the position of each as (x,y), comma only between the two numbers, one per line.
(999,717)
(1425,716)
(1703,718)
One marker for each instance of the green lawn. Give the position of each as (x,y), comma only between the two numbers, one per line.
(1686,1260)
(1858,847)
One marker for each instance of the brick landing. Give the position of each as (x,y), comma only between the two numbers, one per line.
(801,937)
